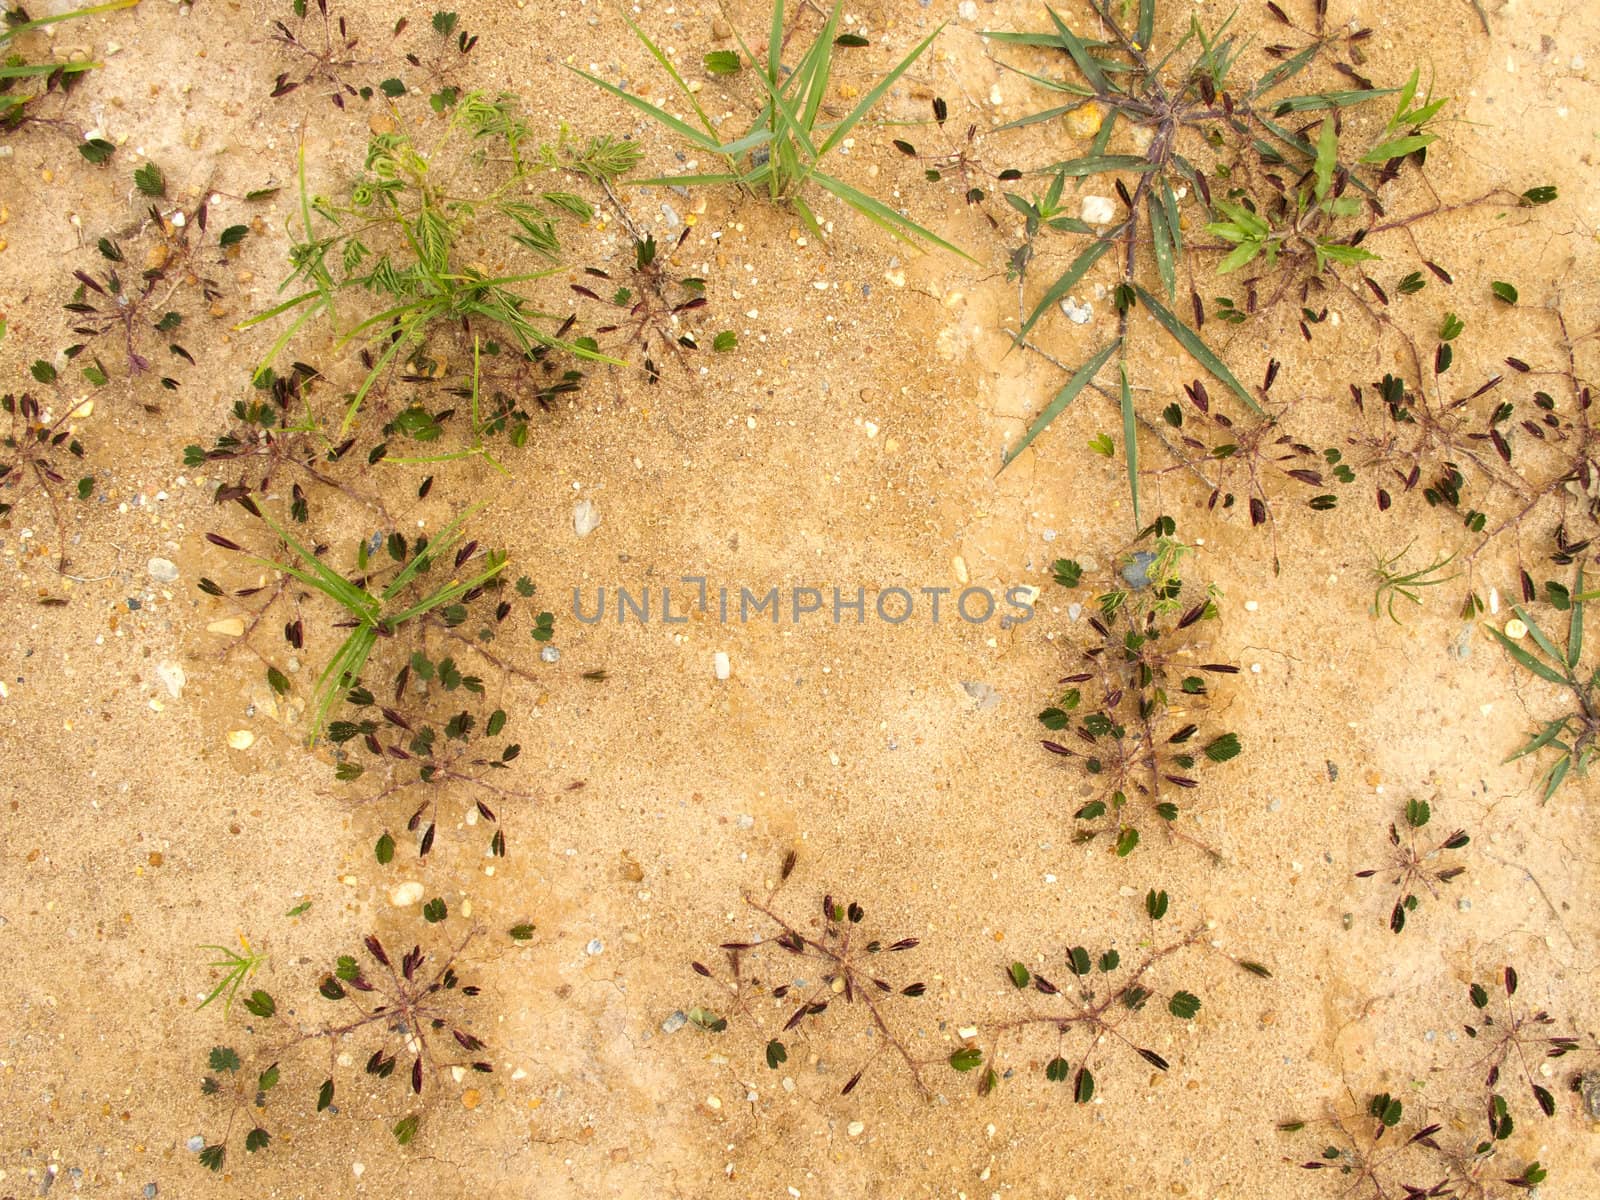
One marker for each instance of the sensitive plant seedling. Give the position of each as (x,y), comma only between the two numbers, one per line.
(1125,711)
(1512,1045)
(1392,583)
(1106,997)
(133,300)
(399,236)
(1415,866)
(1573,737)
(325,65)
(1277,189)
(828,966)
(782,152)
(412,1009)
(1373,1155)
(1238,458)
(24,80)
(654,305)
(40,451)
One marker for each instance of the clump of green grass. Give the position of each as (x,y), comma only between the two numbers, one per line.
(1279,191)
(1574,736)
(781,153)
(399,236)
(1392,583)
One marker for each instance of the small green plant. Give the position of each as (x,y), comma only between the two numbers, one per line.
(40,449)
(1391,583)
(1125,713)
(1573,737)
(652,304)
(398,236)
(1413,868)
(1276,193)
(372,610)
(782,153)
(25,80)
(843,969)
(1431,1159)
(237,966)
(1107,995)
(411,1008)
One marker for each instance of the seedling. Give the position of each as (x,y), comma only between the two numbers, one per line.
(1242,456)
(322,66)
(1416,1164)
(1097,1009)
(842,970)
(39,452)
(372,609)
(398,236)
(1575,735)
(411,1009)
(1124,713)
(1289,194)
(1513,1043)
(1392,583)
(1415,867)
(135,306)
(782,152)
(652,307)
(237,966)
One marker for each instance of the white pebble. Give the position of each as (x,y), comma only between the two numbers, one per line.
(241,739)
(404,895)
(1099,210)
(585,517)
(162,570)
(720,665)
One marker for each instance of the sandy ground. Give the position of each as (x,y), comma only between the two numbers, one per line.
(853,440)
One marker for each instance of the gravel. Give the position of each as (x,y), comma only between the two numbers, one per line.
(585,517)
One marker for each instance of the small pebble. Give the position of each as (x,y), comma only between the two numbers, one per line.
(1516,630)
(404,895)
(241,739)
(1078,314)
(162,570)
(549,654)
(1099,210)
(856,1128)
(675,1022)
(227,627)
(585,517)
(720,666)
(594,947)
(196,1144)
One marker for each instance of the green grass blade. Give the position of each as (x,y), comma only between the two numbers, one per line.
(1523,658)
(319,575)
(7,32)
(1161,243)
(682,128)
(1090,255)
(1320,100)
(1190,341)
(1069,391)
(343,669)
(1575,626)
(775,43)
(1080,55)
(666,63)
(788,121)
(877,93)
(1095,164)
(1539,636)
(1285,71)
(1147,23)
(875,210)
(496,562)
(1551,731)
(1556,774)
(1130,441)
(811,80)
(440,544)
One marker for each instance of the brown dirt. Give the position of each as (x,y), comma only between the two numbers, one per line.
(133,834)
